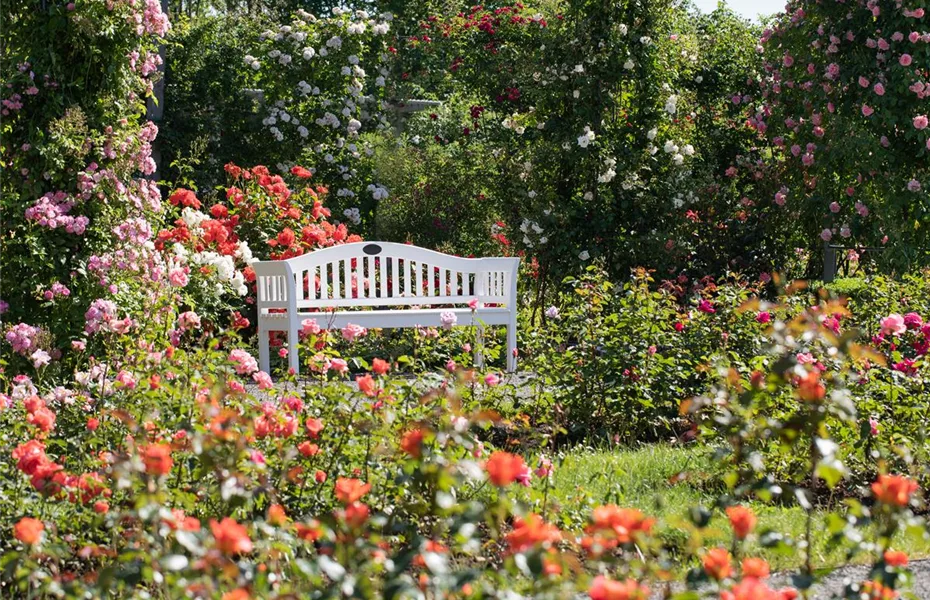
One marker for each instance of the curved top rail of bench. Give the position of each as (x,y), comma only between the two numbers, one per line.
(401,251)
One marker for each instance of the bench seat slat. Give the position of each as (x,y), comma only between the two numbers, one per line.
(389,319)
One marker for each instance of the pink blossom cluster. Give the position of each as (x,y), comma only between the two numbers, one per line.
(51,210)
(151,20)
(13,103)
(245,362)
(352,332)
(57,289)
(135,230)
(320,363)
(21,336)
(101,316)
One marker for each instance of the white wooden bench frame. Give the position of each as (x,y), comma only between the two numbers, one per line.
(386,274)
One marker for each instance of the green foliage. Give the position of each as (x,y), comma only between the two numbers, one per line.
(211,118)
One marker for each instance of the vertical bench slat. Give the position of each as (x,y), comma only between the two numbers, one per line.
(337,288)
(371,292)
(347,284)
(382,285)
(314,278)
(419,278)
(324,281)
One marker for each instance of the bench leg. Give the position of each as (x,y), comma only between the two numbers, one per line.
(479,346)
(264,352)
(293,343)
(512,344)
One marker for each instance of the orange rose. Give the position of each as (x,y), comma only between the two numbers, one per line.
(624,523)
(717,564)
(503,468)
(755,567)
(895,558)
(356,514)
(157,459)
(231,537)
(380,367)
(873,590)
(29,530)
(603,588)
(895,490)
(351,490)
(314,427)
(412,443)
(810,389)
(276,515)
(530,531)
(742,520)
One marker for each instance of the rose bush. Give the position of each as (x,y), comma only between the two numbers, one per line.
(75,154)
(844,105)
(217,482)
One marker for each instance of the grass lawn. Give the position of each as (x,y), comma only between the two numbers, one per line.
(643,479)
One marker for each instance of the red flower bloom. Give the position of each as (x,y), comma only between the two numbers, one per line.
(28,530)
(755,567)
(742,520)
(157,459)
(412,443)
(531,531)
(603,588)
(356,514)
(314,427)
(894,490)
(717,563)
(503,468)
(231,537)
(301,172)
(351,490)
(184,197)
(895,558)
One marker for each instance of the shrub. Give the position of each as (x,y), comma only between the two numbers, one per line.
(843,106)
(210,118)
(75,150)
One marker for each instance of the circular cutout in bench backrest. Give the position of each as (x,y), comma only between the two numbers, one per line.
(371,249)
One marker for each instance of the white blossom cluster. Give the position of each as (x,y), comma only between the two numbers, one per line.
(378,192)
(321,97)
(528,227)
(353,215)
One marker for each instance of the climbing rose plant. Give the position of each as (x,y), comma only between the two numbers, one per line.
(845,105)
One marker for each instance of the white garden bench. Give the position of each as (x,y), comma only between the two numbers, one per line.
(322,284)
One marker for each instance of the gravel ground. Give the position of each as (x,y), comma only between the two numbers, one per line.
(832,586)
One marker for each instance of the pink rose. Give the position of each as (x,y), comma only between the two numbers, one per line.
(879,89)
(263,380)
(920,122)
(893,324)
(867,110)
(905,60)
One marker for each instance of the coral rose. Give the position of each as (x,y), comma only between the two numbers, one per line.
(231,537)
(29,530)
(742,520)
(503,468)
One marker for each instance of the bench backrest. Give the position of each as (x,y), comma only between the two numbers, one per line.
(384,274)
